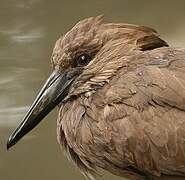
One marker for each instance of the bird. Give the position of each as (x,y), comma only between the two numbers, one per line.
(120,93)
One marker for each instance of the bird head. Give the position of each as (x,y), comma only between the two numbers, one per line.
(83,60)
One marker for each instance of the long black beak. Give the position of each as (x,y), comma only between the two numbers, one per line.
(53,92)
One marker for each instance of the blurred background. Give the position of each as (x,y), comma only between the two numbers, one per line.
(28,31)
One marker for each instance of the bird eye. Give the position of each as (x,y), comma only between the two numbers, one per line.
(83,59)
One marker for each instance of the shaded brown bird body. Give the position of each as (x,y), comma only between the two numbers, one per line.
(125,110)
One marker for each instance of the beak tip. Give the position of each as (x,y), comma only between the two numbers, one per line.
(10,143)
(8,146)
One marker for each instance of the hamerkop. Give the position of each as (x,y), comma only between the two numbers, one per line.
(121,96)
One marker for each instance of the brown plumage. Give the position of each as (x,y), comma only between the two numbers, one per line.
(125,109)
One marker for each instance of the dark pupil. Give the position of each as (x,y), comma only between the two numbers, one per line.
(83,59)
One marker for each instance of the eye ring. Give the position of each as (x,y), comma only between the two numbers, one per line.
(83,59)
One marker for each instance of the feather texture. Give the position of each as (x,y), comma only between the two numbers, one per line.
(125,112)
